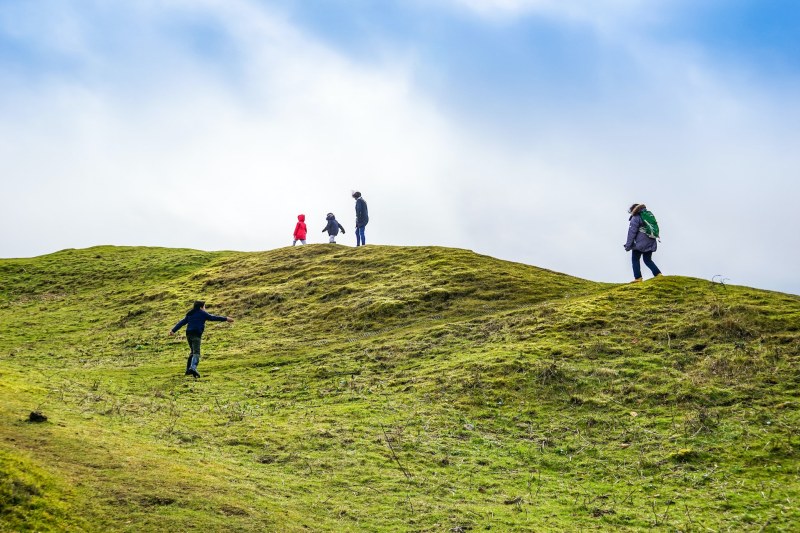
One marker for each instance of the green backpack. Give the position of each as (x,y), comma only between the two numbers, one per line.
(649,224)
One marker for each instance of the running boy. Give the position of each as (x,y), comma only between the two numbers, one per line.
(195,322)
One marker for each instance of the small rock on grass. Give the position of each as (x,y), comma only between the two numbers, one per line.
(36,416)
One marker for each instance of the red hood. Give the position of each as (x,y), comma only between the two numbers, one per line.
(301,218)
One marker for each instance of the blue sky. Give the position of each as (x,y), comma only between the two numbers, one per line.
(517,128)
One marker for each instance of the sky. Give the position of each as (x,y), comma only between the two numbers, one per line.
(521,129)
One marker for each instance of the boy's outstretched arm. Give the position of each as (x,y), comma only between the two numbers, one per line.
(178,326)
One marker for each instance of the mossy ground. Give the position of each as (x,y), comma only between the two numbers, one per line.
(390,388)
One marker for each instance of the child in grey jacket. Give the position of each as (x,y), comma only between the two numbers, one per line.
(333,228)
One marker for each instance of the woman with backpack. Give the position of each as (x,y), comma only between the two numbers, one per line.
(642,235)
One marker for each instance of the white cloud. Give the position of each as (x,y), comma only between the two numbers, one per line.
(157,147)
(603,14)
(188,159)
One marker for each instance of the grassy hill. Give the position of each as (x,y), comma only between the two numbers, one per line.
(390,389)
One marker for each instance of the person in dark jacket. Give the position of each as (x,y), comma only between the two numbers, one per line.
(640,244)
(195,322)
(362,218)
(300,230)
(333,228)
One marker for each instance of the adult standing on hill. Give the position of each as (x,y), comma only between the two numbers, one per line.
(639,243)
(362,218)
(195,322)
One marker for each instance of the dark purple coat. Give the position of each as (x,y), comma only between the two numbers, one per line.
(638,240)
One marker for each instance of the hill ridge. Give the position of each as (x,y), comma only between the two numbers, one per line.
(390,388)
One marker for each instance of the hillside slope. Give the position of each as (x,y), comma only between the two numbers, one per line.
(390,388)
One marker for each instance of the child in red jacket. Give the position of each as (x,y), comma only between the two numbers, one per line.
(300,230)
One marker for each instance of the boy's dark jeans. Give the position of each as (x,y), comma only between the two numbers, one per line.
(194,346)
(637,268)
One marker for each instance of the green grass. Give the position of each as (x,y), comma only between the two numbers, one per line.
(390,389)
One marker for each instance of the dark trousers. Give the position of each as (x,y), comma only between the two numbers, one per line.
(194,351)
(637,268)
(360,239)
